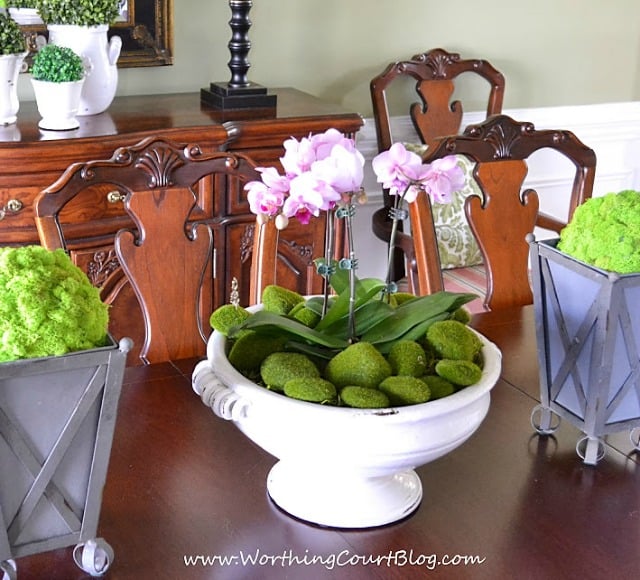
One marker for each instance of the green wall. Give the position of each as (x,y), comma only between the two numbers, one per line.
(552,52)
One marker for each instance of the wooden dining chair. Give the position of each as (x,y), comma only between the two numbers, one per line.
(164,193)
(436,114)
(503,214)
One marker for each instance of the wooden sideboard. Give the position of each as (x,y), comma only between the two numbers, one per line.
(31,160)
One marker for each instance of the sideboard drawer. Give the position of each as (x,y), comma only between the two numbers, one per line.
(16,215)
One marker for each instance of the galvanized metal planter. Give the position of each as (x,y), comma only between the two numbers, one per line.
(588,332)
(57,418)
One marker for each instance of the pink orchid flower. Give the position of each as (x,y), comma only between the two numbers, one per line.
(273,180)
(444,178)
(342,170)
(404,174)
(262,199)
(307,197)
(298,156)
(396,168)
(323,143)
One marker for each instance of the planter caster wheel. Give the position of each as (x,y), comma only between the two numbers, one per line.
(590,450)
(94,556)
(9,570)
(544,420)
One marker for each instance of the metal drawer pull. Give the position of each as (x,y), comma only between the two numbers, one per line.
(115,196)
(12,206)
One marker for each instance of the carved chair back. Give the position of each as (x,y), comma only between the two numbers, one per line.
(504,214)
(165,248)
(434,115)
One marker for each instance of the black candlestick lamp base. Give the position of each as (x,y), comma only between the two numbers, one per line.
(224,96)
(239,92)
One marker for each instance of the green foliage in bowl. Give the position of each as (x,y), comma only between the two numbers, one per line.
(392,362)
(57,64)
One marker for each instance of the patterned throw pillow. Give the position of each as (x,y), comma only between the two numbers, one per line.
(456,243)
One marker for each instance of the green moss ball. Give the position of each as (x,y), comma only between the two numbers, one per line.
(398,298)
(364,398)
(461,315)
(459,372)
(48,306)
(402,297)
(405,390)
(438,386)
(407,358)
(304,315)
(280,367)
(313,390)
(453,340)
(250,349)
(359,364)
(280,300)
(227,316)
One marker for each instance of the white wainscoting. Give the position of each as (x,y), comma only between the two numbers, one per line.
(612,130)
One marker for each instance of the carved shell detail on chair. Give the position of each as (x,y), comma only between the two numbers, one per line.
(159,163)
(501,137)
(437,60)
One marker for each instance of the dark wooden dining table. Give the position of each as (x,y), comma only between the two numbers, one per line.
(186,496)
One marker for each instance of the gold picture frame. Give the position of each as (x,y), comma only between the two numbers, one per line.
(146,30)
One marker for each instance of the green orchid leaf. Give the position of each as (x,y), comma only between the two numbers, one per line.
(366,316)
(414,312)
(311,350)
(366,289)
(269,322)
(414,333)
(315,303)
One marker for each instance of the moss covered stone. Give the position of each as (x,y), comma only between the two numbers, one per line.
(459,372)
(280,300)
(405,390)
(453,340)
(250,349)
(438,386)
(304,315)
(407,358)
(359,364)
(461,315)
(364,398)
(313,390)
(227,316)
(280,367)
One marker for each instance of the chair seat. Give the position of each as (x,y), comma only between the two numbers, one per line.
(472,279)
(469,279)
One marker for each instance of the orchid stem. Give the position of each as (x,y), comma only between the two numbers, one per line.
(395,213)
(352,272)
(328,253)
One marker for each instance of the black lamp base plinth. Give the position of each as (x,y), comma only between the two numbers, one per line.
(223,96)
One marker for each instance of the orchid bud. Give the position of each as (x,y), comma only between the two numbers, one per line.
(282,221)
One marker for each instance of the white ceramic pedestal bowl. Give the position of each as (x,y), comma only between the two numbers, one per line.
(342,467)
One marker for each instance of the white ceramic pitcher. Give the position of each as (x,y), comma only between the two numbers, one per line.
(10,67)
(100,56)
